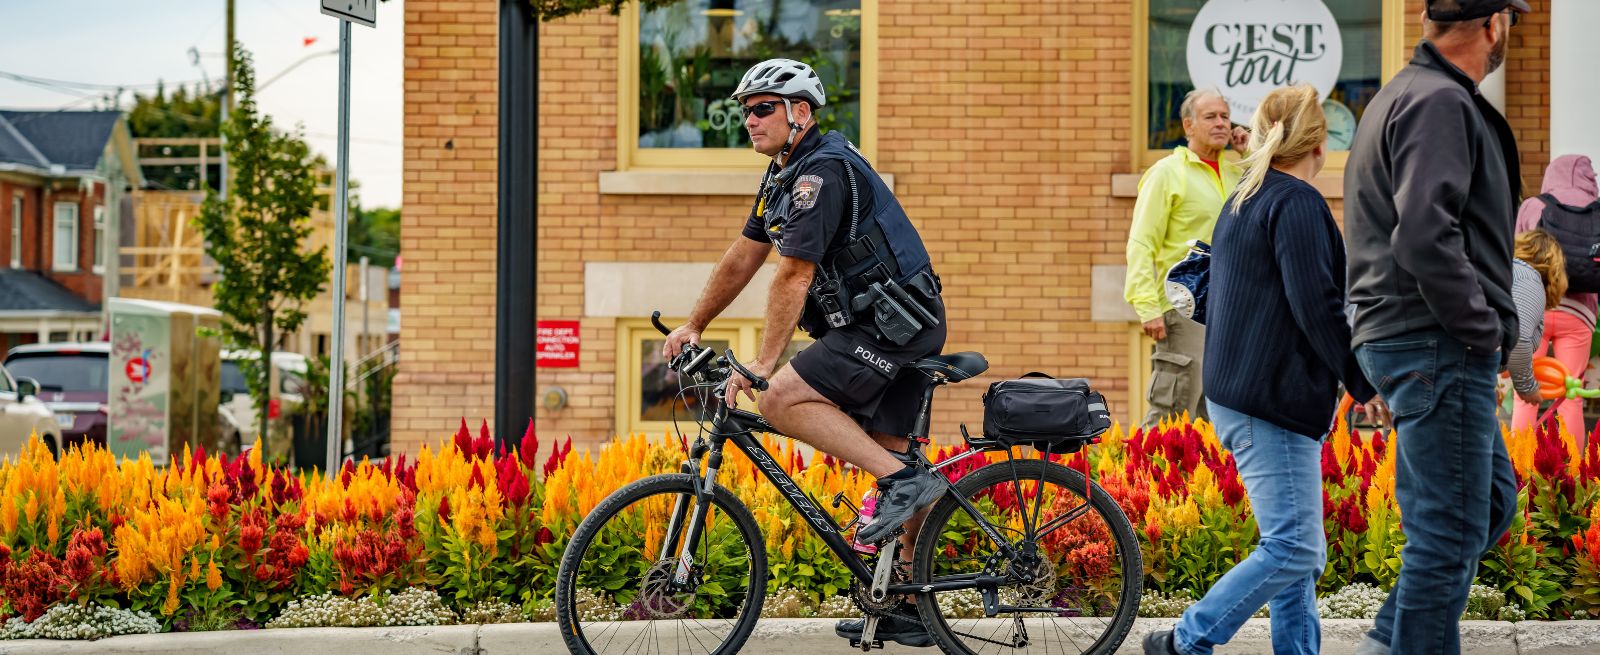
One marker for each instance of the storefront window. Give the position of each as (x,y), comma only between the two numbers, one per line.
(650,401)
(660,389)
(692,54)
(1244,48)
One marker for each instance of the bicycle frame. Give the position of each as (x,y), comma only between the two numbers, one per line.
(738,426)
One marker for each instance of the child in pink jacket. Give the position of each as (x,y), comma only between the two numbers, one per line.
(1569,327)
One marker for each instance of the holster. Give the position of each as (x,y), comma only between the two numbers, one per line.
(896,316)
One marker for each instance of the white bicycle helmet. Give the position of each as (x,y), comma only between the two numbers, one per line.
(782,77)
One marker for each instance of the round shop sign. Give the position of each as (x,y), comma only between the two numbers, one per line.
(1247,48)
(138,369)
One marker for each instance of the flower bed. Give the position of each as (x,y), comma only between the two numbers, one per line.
(213,542)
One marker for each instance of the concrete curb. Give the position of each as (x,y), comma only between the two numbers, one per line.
(771,637)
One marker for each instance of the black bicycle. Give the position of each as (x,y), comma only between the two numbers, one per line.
(1021,555)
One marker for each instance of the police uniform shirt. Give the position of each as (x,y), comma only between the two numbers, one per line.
(817,205)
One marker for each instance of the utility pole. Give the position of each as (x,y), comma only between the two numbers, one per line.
(227,103)
(517,229)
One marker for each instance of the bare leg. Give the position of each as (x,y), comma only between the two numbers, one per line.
(800,412)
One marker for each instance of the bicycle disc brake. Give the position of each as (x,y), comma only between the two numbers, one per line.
(659,597)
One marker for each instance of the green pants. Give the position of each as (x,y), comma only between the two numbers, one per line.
(1175,385)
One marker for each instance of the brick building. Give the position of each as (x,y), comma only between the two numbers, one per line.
(1013,133)
(64,177)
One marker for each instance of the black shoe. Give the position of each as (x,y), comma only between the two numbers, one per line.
(898,501)
(906,632)
(1160,643)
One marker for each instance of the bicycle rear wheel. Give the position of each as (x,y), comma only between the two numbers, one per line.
(615,591)
(1083,581)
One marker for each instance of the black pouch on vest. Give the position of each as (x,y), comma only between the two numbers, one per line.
(1054,416)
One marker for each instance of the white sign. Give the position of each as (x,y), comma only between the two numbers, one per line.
(364,12)
(1247,48)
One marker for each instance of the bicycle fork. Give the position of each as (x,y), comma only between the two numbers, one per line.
(703,487)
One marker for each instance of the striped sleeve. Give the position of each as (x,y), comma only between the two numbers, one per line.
(1527,292)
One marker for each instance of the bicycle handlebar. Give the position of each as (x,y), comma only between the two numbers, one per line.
(693,359)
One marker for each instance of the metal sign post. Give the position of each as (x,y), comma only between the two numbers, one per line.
(366,13)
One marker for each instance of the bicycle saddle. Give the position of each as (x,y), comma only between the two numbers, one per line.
(956,366)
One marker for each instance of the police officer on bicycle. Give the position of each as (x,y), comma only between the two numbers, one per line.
(852,272)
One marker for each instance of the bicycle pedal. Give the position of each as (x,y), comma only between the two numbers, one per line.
(876,643)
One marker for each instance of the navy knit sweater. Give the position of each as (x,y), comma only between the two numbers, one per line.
(1277,340)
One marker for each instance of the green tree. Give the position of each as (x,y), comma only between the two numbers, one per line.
(375,233)
(180,114)
(257,234)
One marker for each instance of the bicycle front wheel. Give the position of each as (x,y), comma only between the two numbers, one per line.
(1078,574)
(617,592)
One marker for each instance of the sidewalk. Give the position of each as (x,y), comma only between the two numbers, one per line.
(772,637)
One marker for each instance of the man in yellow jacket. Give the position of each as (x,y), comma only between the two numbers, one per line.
(1180,198)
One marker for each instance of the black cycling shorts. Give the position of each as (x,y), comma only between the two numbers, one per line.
(868,378)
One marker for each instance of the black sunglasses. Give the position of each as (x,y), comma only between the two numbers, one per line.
(1514,17)
(760,109)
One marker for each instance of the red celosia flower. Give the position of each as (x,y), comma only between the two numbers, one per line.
(1351,517)
(1230,485)
(483,446)
(528,451)
(218,497)
(558,456)
(1549,456)
(1330,464)
(298,556)
(280,488)
(250,534)
(83,549)
(512,482)
(463,439)
(34,584)
(476,481)
(405,520)
(444,509)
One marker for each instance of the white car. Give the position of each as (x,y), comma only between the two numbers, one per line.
(22,414)
(288,382)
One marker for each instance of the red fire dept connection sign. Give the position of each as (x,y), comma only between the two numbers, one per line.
(557,344)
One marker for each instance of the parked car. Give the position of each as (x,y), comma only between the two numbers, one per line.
(288,382)
(72,380)
(23,415)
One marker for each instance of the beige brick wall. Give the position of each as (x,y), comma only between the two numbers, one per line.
(1002,123)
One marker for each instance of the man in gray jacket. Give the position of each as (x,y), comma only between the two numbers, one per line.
(1431,192)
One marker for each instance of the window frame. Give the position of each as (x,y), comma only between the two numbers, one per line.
(743,335)
(631,157)
(1392,58)
(17,206)
(98,262)
(71,265)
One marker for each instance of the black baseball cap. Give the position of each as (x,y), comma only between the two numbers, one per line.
(1458,10)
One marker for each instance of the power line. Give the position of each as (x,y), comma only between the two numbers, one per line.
(86,86)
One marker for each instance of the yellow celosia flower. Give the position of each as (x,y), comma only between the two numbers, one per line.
(1204,486)
(171,604)
(1186,516)
(213,576)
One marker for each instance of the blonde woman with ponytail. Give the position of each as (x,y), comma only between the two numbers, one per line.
(1277,349)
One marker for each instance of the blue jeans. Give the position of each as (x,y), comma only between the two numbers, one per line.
(1453,481)
(1282,473)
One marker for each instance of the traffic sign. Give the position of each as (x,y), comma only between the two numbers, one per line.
(364,12)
